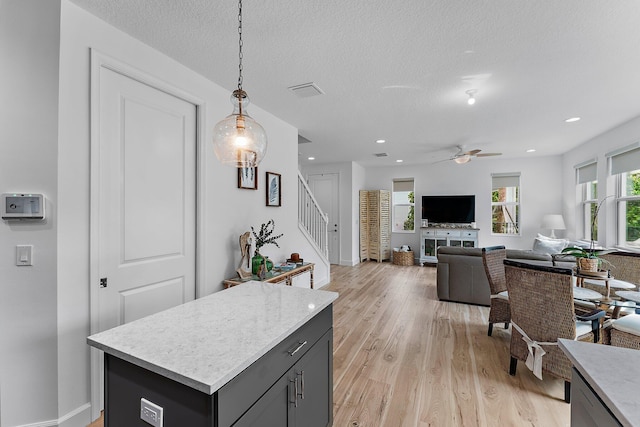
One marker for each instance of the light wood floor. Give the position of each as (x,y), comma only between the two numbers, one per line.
(402,358)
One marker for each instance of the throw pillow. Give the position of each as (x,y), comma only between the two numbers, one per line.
(548,245)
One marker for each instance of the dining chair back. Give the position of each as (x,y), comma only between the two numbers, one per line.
(542,310)
(499,311)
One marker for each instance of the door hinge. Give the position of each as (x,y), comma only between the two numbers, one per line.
(103,282)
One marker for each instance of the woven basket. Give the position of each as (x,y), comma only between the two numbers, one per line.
(403,258)
(588,264)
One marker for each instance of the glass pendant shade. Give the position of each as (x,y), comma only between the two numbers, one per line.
(238,140)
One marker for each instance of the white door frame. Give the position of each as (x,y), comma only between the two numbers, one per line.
(101,61)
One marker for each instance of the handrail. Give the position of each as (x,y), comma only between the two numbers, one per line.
(311,218)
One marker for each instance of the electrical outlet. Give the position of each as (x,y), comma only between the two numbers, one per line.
(150,413)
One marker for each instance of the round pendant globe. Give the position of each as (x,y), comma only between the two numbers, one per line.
(238,140)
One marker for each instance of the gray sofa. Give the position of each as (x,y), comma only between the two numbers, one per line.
(461,276)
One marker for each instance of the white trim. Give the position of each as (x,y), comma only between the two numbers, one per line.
(61,420)
(101,61)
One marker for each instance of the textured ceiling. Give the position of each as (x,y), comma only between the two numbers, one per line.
(398,70)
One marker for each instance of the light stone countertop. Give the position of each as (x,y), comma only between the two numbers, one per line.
(612,372)
(207,342)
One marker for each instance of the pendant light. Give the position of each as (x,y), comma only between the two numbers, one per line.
(238,140)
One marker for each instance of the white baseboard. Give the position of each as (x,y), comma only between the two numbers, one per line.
(79,417)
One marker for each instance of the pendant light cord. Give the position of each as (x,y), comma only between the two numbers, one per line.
(239,44)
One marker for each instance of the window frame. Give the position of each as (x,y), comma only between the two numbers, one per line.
(517,205)
(589,204)
(621,214)
(410,205)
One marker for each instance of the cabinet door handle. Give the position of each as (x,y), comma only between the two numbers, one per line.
(297,349)
(295,392)
(301,385)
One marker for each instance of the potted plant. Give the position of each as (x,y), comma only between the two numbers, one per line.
(263,237)
(588,259)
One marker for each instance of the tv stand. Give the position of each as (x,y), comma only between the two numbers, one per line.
(461,235)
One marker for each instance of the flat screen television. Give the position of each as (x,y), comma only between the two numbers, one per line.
(449,209)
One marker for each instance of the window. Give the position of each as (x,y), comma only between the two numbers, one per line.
(403,200)
(624,164)
(586,178)
(628,206)
(505,203)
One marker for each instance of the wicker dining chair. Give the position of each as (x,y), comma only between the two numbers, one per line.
(624,332)
(499,311)
(542,310)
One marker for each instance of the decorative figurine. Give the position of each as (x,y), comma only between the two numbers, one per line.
(247,248)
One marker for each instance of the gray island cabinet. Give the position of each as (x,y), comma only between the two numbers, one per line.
(603,384)
(257,354)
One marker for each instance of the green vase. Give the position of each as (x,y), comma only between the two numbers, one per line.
(258,260)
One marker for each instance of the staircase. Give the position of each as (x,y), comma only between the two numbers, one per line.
(312,221)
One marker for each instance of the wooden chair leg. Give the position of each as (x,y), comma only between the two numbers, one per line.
(512,366)
(490,329)
(567,391)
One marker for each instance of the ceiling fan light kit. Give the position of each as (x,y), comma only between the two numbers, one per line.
(462,157)
(465,158)
(238,140)
(472,99)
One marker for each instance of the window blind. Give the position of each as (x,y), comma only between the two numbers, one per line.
(403,185)
(505,180)
(625,160)
(587,173)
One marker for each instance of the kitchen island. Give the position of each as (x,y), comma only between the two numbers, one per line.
(603,384)
(254,354)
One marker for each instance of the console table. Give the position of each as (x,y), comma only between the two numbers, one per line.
(274,276)
(432,237)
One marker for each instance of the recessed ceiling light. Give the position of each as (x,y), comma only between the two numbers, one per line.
(399,161)
(381,141)
(311,158)
(572,119)
(531,150)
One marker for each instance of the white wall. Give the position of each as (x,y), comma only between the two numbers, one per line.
(541,192)
(541,184)
(358,182)
(29,35)
(44,309)
(596,148)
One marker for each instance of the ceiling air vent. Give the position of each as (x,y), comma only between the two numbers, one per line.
(380,154)
(306,90)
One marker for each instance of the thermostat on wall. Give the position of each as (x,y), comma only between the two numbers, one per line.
(22,206)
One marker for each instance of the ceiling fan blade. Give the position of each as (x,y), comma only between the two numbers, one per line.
(473,152)
(488,154)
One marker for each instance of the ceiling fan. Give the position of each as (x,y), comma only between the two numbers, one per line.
(462,156)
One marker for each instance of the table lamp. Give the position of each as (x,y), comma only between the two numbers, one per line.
(553,222)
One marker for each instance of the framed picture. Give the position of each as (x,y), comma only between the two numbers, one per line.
(274,192)
(247,177)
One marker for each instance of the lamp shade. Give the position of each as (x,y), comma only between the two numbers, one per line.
(553,222)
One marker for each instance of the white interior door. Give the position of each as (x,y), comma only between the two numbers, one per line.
(147,200)
(146,214)
(326,191)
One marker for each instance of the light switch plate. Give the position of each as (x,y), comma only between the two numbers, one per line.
(24,255)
